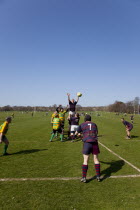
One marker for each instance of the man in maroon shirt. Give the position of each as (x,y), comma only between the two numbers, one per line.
(72,104)
(90,145)
(128,127)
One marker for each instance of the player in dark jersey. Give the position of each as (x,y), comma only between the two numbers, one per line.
(72,104)
(90,145)
(128,127)
(74,122)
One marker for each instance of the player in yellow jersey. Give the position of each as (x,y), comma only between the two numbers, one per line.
(62,113)
(3,130)
(56,123)
(52,117)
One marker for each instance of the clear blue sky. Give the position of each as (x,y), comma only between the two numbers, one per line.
(51,47)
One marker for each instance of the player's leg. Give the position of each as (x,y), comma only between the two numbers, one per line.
(72,136)
(52,135)
(75,129)
(84,167)
(6,144)
(86,152)
(95,152)
(72,133)
(62,131)
(128,133)
(61,134)
(97,166)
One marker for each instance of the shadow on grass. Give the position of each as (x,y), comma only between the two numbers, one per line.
(28,151)
(114,166)
(132,136)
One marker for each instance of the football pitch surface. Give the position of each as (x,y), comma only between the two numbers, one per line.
(46,175)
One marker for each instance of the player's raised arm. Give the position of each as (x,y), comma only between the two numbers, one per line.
(68,94)
(77,99)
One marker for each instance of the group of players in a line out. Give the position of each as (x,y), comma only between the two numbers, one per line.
(88,129)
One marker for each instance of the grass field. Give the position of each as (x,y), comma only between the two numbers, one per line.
(46,175)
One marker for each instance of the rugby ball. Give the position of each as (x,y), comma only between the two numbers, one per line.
(79,94)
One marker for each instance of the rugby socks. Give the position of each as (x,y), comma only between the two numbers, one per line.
(72,137)
(5,148)
(84,170)
(52,136)
(97,168)
(61,137)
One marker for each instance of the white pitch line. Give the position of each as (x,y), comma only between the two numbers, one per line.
(125,176)
(120,157)
(62,178)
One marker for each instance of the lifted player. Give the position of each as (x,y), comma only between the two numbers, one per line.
(90,145)
(3,130)
(72,104)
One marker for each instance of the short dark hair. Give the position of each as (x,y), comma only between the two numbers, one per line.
(87,118)
(8,118)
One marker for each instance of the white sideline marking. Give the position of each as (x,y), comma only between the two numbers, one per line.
(63,178)
(125,176)
(120,157)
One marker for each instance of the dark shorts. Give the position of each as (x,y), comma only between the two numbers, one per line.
(59,131)
(130,128)
(3,137)
(62,125)
(89,148)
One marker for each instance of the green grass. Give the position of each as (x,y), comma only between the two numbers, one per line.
(33,156)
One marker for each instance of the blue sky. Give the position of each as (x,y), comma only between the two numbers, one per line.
(51,47)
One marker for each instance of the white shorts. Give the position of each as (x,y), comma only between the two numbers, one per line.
(71,113)
(74,128)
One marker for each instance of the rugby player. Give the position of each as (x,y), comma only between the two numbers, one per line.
(72,104)
(61,113)
(74,122)
(90,145)
(52,117)
(56,127)
(128,127)
(3,130)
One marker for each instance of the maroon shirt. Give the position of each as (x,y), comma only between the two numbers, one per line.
(74,120)
(89,130)
(128,124)
(72,106)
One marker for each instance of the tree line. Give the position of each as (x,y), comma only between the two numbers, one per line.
(130,107)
